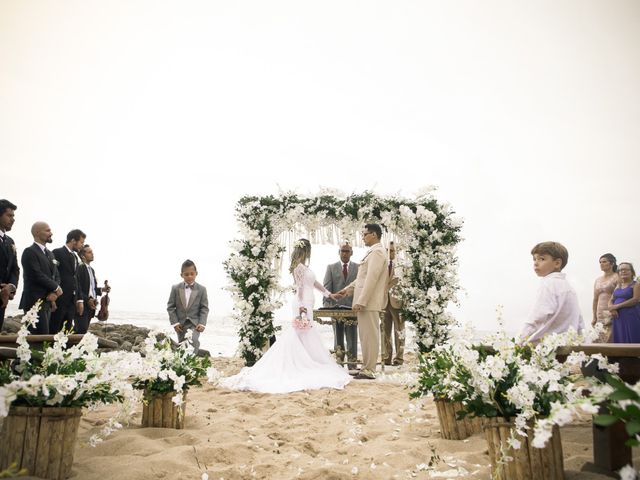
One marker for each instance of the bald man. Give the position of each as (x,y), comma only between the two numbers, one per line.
(41,279)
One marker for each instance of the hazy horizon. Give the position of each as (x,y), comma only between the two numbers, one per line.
(143,123)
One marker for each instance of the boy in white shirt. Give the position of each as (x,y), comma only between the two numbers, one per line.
(556,307)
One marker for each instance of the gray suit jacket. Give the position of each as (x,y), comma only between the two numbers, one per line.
(334,282)
(196,312)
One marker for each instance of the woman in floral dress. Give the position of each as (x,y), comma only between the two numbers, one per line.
(602,290)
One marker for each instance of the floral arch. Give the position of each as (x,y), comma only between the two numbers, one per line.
(425,231)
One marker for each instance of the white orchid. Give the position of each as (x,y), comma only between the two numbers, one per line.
(528,384)
(429,263)
(73,376)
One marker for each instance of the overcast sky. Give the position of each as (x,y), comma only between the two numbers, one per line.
(143,122)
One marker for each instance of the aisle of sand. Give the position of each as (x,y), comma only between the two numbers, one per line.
(369,430)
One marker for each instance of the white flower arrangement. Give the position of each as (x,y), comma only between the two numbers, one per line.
(500,378)
(426,231)
(165,369)
(66,377)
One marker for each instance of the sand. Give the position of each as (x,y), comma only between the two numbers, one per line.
(369,430)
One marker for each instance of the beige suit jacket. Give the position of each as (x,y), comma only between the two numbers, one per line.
(370,286)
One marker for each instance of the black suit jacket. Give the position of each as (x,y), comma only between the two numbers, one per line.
(40,276)
(9,269)
(67,269)
(84,280)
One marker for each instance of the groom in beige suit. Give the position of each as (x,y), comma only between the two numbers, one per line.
(370,297)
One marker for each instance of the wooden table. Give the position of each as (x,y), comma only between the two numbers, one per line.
(610,453)
(348,317)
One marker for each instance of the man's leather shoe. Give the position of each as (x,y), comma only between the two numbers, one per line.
(362,376)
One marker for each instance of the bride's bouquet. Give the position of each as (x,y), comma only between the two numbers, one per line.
(302,322)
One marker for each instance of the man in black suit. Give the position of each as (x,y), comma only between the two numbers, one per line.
(69,302)
(9,269)
(41,279)
(88,291)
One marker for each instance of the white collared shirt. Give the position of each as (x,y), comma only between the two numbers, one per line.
(42,247)
(92,281)
(187,292)
(556,309)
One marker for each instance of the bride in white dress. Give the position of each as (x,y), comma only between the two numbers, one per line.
(297,360)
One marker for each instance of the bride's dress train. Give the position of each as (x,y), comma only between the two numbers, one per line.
(298,360)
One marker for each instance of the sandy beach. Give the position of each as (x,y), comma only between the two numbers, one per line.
(369,430)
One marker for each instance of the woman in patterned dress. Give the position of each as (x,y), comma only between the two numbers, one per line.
(602,290)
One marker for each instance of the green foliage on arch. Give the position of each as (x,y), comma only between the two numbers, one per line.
(425,231)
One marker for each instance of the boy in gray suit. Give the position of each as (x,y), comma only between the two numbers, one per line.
(338,276)
(188,305)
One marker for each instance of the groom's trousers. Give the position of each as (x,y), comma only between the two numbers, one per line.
(369,330)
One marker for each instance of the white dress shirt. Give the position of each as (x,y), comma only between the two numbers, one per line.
(187,292)
(555,311)
(92,282)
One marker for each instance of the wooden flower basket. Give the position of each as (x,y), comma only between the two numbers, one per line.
(450,427)
(159,411)
(41,440)
(528,462)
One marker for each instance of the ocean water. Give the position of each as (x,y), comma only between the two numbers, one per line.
(220,337)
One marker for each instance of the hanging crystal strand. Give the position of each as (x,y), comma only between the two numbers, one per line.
(277,263)
(290,240)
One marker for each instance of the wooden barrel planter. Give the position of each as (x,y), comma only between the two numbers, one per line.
(529,463)
(41,440)
(450,427)
(159,411)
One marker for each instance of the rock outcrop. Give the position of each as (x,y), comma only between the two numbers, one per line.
(129,338)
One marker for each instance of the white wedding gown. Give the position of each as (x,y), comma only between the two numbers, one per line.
(298,360)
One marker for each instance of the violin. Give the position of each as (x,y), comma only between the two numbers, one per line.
(103,314)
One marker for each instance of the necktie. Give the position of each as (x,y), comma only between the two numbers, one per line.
(390,266)
(344,271)
(188,286)
(92,282)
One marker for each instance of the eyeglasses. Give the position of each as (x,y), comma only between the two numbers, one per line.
(345,251)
